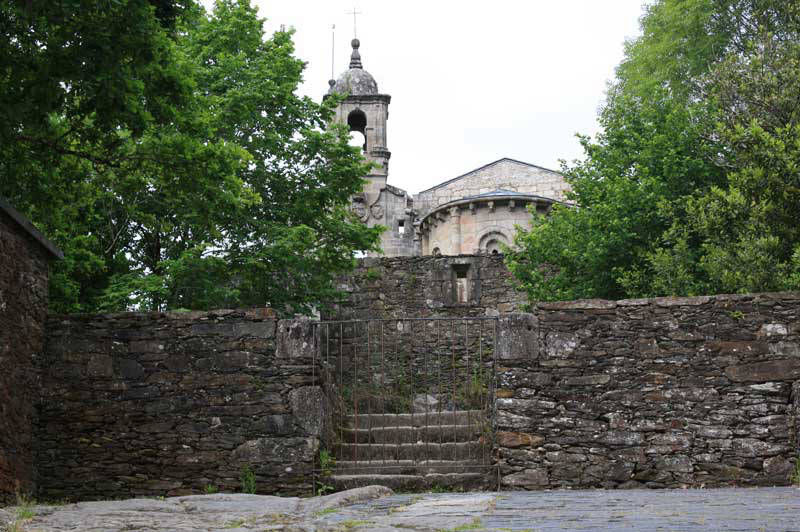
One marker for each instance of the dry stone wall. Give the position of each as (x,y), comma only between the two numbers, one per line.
(23,307)
(169,403)
(421,287)
(671,392)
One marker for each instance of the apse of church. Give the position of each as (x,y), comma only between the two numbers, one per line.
(477,212)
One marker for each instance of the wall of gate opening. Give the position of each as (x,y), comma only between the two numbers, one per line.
(411,397)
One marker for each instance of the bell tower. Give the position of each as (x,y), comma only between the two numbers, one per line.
(366,111)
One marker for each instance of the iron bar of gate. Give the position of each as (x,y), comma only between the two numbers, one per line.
(453,384)
(467,389)
(424,432)
(354,391)
(439,380)
(369,389)
(422,368)
(383,398)
(342,409)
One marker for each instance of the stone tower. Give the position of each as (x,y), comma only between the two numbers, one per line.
(366,111)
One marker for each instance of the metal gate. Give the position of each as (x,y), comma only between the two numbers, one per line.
(411,395)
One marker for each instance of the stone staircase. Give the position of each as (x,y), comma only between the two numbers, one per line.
(414,452)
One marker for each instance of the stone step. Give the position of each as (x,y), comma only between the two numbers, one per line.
(406,483)
(410,467)
(410,451)
(429,433)
(453,417)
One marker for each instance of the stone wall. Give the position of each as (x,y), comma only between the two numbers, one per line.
(670,392)
(421,287)
(506,174)
(23,307)
(169,403)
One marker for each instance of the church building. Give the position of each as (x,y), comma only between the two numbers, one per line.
(473,213)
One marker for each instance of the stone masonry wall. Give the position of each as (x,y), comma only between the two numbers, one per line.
(420,287)
(23,307)
(169,403)
(503,174)
(670,392)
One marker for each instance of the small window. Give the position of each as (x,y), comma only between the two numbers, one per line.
(461,283)
(436,251)
(401,227)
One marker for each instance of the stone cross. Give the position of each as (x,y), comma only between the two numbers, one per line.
(354,12)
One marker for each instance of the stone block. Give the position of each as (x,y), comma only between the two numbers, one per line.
(739,347)
(558,344)
(258,329)
(130,369)
(298,338)
(682,301)
(528,478)
(277,451)
(580,304)
(771,370)
(518,337)
(586,380)
(309,408)
(773,329)
(518,439)
(100,366)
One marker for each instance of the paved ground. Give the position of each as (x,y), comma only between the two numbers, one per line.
(376,509)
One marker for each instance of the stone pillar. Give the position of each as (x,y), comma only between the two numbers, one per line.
(794,418)
(297,338)
(455,236)
(518,337)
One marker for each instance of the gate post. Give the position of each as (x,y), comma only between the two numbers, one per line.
(297,338)
(518,337)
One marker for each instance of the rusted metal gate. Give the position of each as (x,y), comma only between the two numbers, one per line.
(410,395)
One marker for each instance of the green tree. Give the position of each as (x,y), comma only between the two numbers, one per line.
(689,187)
(233,194)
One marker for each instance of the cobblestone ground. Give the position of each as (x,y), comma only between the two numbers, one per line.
(376,509)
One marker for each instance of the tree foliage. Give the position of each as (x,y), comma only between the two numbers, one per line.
(692,185)
(180,170)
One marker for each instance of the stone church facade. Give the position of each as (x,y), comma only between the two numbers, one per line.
(476,212)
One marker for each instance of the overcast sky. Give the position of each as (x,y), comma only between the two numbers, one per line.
(470,81)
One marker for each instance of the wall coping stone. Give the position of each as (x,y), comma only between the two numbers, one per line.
(257,313)
(670,301)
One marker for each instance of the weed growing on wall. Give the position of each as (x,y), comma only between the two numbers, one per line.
(795,478)
(326,464)
(248,478)
(373,274)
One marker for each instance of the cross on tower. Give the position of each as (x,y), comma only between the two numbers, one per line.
(354,12)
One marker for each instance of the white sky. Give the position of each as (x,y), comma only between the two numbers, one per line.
(470,81)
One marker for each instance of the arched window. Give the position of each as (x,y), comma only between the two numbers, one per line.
(357,122)
(492,242)
(436,251)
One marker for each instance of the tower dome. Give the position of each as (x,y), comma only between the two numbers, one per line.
(356,81)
